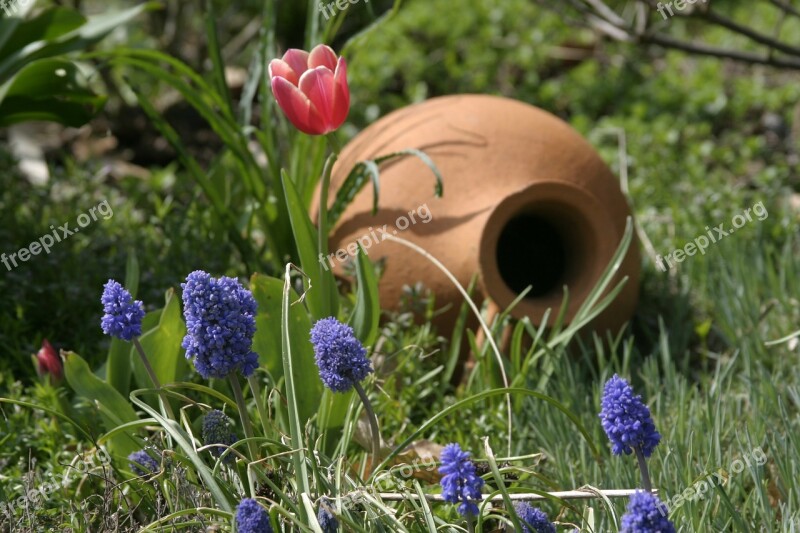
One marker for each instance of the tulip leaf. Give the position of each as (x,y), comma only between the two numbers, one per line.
(268,293)
(118,362)
(364,320)
(352,185)
(366,313)
(114,408)
(320,283)
(370,168)
(333,409)
(288,358)
(163,334)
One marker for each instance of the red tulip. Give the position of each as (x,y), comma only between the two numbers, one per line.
(48,362)
(311,88)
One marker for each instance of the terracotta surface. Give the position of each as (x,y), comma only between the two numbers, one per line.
(526,201)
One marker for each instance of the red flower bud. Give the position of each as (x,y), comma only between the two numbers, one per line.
(311,89)
(49,362)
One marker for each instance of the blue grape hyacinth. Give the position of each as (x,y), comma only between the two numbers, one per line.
(340,356)
(252,518)
(220,323)
(626,419)
(325,517)
(533,517)
(460,483)
(646,514)
(123,315)
(218,429)
(141,463)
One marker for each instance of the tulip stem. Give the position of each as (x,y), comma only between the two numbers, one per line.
(646,485)
(373,424)
(334,143)
(167,408)
(322,223)
(248,429)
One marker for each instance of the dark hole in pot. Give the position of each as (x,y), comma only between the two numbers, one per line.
(531,251)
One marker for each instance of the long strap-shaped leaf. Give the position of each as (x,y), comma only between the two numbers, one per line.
(370,169)
(182,439)
(296,430)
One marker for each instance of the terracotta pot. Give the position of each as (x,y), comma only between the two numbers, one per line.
(527,201)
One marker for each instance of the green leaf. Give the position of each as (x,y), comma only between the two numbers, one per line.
(59,43)
(118,365)
(366,313)
(333,409)
(425,158)
(357,178)
(288,356)
(319,280)
(21,109)
(500,483)
(118,362)
(214,52)
(114,408)
(184,441)
(354,182)
(162,344)
(46,77)
(49,25)
(8,25)
(429,424)
(326,278)
(49,89)
(268,293)
(132,272)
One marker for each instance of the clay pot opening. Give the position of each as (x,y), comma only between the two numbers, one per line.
(524,238)
(545,236)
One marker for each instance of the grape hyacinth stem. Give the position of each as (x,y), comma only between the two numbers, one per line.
(373,423)
(248,428)
(646,485)
(148,367)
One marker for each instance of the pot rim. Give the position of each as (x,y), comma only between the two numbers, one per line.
(586,233)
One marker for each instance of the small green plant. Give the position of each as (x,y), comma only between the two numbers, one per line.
(38,80)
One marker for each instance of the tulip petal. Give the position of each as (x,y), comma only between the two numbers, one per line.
(297,107)
(317,85)
(322,56)
(279,67)
(297,59)
(341,99)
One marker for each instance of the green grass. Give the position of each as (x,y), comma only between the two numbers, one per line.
(697,154)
